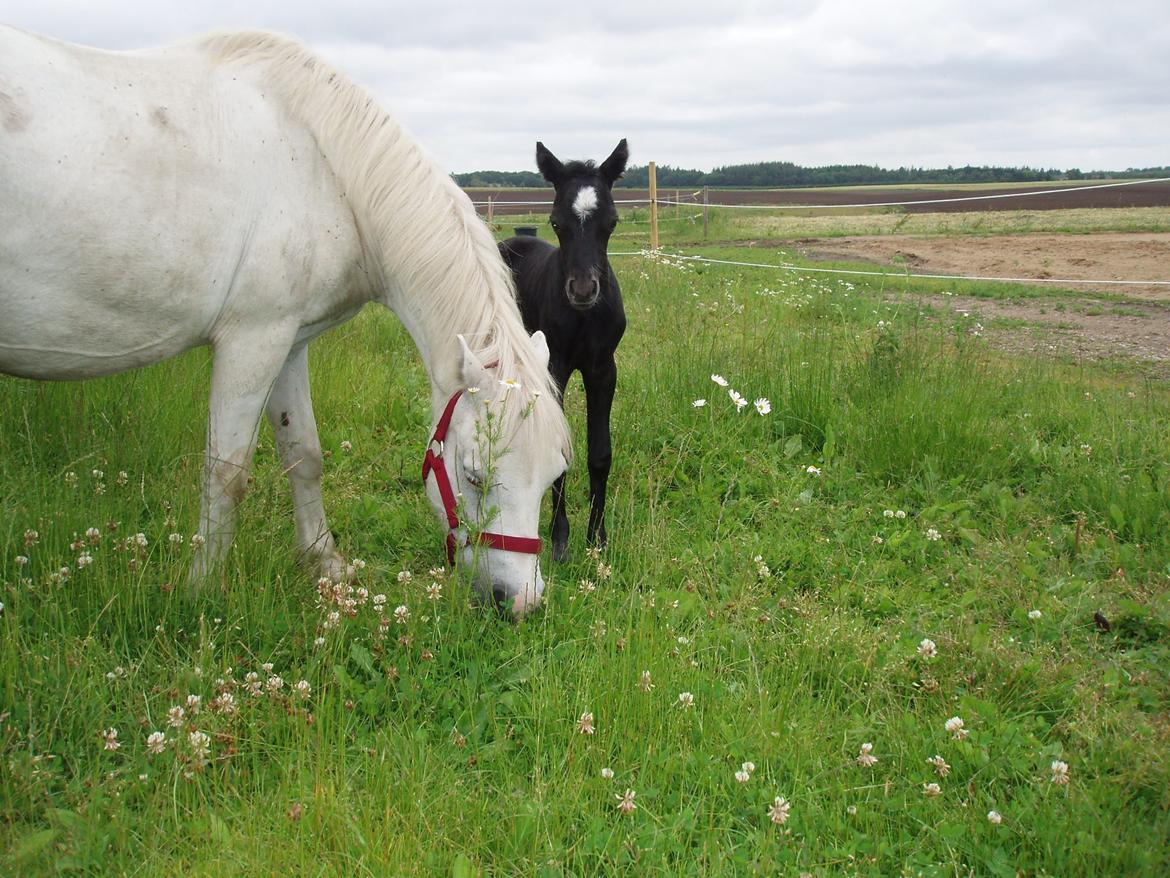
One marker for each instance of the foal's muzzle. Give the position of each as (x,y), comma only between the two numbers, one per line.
(583,292)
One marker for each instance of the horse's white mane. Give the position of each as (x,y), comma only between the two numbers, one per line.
(419,226)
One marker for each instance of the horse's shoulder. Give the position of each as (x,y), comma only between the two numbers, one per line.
(525,253)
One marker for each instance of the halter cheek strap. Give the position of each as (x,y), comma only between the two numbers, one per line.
(433,463)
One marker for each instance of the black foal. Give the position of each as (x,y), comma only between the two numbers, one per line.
(571,294)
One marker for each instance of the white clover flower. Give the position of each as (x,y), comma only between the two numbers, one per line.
(585,724)
(193,704)
(434,591)
(110,738)
(607,773)
(346,446)
(644,682)
(1059,772)
(175,716)
(720,380)
(200,745)
(626,801)
(405,576)
(940,765)
(779,810)
(401,614)
(901,513)
(955,726)
(198,541)
(686,699)
(887,513)
(927,648)
(931,790)
(742,776)
(1034,614)
(21,560)
(994,817)
(932,535)
(302,689)
(156,742)
(84,560)
(865,757)
(225,703)
(749,767)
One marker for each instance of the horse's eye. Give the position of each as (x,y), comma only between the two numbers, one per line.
(556,226)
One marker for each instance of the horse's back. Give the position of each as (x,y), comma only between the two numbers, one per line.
(138,190)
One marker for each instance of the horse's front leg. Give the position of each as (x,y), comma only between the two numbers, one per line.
(290,411)
(242,374)
(559,529)
(600,384)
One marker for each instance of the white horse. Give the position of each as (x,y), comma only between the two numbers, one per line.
(236,191)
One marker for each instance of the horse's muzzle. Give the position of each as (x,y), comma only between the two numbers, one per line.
(583,292)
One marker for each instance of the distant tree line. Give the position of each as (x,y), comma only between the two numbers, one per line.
(782,174)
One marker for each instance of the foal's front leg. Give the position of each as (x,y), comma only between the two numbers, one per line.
(290,411)
(242,374)
(600,384)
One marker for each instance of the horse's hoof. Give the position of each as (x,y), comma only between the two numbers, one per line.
(335,568)
(560,552)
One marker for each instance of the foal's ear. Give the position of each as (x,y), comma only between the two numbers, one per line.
(474,374)
(614,166)
(541,344)
(549,165)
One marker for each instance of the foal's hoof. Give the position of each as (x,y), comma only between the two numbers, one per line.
(560,551)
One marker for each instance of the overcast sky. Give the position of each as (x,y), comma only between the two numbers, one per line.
(1046,83)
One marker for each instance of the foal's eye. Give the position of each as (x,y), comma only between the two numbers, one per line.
(556,226)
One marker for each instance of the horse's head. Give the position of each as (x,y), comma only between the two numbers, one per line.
(583,216)
(491,466)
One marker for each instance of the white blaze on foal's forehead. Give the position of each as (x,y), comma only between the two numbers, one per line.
(585,202)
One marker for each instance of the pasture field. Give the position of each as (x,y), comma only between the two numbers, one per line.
(928,552)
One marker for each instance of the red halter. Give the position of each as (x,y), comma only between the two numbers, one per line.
(433,463)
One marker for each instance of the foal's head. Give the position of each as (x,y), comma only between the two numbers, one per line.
(583,216)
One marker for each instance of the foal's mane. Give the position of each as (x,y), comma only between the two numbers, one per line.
(421,228)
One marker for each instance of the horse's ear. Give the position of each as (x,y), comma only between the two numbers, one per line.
(541,345)
(549,165)
(614,166)
(474,374)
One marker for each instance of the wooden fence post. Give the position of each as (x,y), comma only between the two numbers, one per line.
(490,212)
(653,206)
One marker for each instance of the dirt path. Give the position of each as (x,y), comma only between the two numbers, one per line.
(1081,326)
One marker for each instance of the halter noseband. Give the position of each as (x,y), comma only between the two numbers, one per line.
(433,463)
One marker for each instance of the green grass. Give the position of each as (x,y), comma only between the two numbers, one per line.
(456,750)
